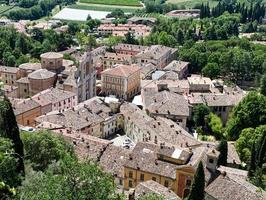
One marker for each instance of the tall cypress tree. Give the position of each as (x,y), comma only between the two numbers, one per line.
(252,164)
(197,189)
(9,129)
(223,148)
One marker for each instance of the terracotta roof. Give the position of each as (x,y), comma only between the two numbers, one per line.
(225,187)
(176,66)
(30,66)
(52,95)
(52,55)
(122,70)
(129,47)
(23,80)
(12,70)
(166,130)
(166,103)
(24,106)
(152,187)
(41,74)
(113,160)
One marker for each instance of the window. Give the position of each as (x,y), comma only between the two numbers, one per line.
(25,90)
(120,182)
(154,178)
(130,184)
(28,122)
(142,177)
(130,174)
(166,183)
(188,182)
(211,160)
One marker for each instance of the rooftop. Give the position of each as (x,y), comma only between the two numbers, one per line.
(30,66)
(41,74)
(129,47)
(52,55)
(24,106)
(155,52)
(227,187)
(176,66)
(152,187)
(52,95)
(122,70)
(11,70)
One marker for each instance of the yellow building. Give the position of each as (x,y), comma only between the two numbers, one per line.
(26,111)
(174,168)
(10,75)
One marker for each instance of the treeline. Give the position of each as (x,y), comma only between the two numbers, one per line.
(234,60)
(17,48)
(155,6)
(248,13)
(174,32)
(33,12)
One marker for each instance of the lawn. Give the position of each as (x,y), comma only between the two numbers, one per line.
(101,8)
(113,2)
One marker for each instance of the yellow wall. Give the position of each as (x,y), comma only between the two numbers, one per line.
(27,118)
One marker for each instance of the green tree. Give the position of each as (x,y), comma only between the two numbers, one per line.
(9,129)
(247,138)
(263,85)
(223,149)
(68,180)
(216,126)
(211,70)
(43,148)
(200,114)
(250,112)
(180,37)
(198,185)
(8,163)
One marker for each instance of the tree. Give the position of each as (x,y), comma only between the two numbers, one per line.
(250,112)
(216,126)
(129,39)
(247,138)
(69,179)
(263,85)
(223,149)
(9,129)
(43,148)
(211,70)
(200,115)
(8,163)
(180,37)
(198,185)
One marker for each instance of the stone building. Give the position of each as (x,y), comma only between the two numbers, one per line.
(10,75)
(40,80)
(158,55)
(52,61)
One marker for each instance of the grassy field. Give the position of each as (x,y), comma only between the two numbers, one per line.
(6,9)
(101,8)
(113,2)
(192,3)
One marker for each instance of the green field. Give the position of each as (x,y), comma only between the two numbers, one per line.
(113,2)
(101,8)
(192,3)
(4,8)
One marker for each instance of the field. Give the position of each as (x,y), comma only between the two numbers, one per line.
(4,8)
(113,2)
(99,7)
(192,3)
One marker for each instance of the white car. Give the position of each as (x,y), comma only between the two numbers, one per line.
(28,129)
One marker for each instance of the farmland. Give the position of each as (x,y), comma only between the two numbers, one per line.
(192,3)
(99,7)
(113,2)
